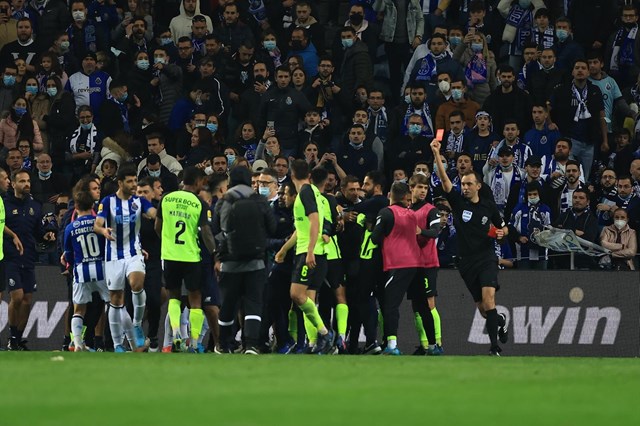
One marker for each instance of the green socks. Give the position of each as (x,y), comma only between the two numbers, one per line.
(293,325)
(342,314)
(436,324)
(420,329)
(174,317)
(312,331)
(196,318)
(311,312)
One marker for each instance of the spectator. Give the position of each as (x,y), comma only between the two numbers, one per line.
(579,219)
(25,47)
(603,198)
(622,155)
(8,88)
(479,66)
(232,31)
(541,139)
(479,141)
(356,158)
(502,177)
(302,46)
(458,102)
(529,217)
(83,146)
(251,99)
(166,82)
(561,197)
(508,101)
(155,145)
(268,147)
(155,169)
(622,48)
(131,9)
(24,146)
(531,178)
(356,69)
(543,76)
(246,141)
(409,148)
(512,140)
(19,124)
(46,185)
(621,240)
(180,25)
(120,113)
(116,149)
(8,30)
(567,50)
(84,36)
(89,86)
(201,146)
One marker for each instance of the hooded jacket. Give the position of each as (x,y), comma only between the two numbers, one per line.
(180,25)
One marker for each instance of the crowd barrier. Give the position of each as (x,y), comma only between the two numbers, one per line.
(551,313)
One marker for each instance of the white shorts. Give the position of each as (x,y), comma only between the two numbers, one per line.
(82,292)
(117,271)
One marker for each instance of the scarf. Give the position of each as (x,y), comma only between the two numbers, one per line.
(428,66)
(26,163)
(500,188)
(425,113)
(582,112)
(90,36)
(565,197)
(521,19)
(622,53)
(276,57)
(476,70)
(258,10)
(89,145)
(380,122)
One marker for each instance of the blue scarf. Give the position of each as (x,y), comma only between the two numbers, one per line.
(521,19)
(476,70)
(425,113)
(499,188)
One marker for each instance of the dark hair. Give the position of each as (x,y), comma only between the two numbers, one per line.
(567,140)
(533,187)
(191,175)
(378,178)
(510,120)
(17,172)
(418,178)
(205,138)
(214,181)
(505,68)
(457,113)
(111,161)
(25,123)
(625,177)
(153,159)
(299,169)
(543,11)
(582,190)
(319,176)
(81,195)
(348,29)
(283,68)
(184,39)
(125,171)
(572,163)
(565,20)
(399,190)
(347,180)
(270,172)
(146,181)
(158,136)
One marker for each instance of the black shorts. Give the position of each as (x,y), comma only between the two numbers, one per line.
(312,278)
(424,284)
(210,288)
(335,273)
(19,277)
(478,272)
(175,273)
(3,278)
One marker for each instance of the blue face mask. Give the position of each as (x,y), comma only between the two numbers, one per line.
(9,80)
(269,44)
(158,60)
(454,41)
(32,89)
(562,34)
(356,146)
(213,127)
(166,41)
(124,97)
(435,166)
(44,175)
(86,126)
(231,158)
(264,191)
(456,94)
(347,43)
(20,111)
(142,64)
(415,129)
(477,47)
(52,91)
(154,173)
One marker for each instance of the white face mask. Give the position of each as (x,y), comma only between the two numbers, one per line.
(208,170)
(78,16)
(444,86)
(619,223)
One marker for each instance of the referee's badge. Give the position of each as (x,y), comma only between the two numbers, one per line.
(466,215)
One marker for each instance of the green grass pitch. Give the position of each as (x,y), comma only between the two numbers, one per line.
(175,389)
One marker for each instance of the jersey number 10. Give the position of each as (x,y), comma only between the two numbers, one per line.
(90,245)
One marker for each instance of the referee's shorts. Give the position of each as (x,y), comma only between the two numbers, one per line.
(477,272)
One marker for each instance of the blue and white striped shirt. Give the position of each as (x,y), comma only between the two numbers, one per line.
(84,248)
(123,217)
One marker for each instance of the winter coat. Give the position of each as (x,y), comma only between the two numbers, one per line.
(415,19)
(9,135)
(627,248)
(113,151)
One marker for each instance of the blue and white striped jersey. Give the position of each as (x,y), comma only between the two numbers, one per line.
(84,249)
(123,217)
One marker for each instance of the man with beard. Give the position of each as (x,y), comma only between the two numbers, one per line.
(502,178)
(25,47)
(579,219)
(562,196)
(250,100)
(521,152)
(603,198)
(508,101)
(553,167)
(518,193)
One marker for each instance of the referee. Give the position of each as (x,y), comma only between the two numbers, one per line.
(478,264)
(179,215)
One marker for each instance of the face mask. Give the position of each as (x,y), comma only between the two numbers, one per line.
(20,111)
(505,168)
(64,45)
(454,41)
(200,125)
(264,191)
(444,86)
(52,91)
(9,80)
(356,146)
(524,3)
(269,44)
(78,16)
(296,45)
(619,223)
(407,99)
(208,170)
(477,47)
(86,126)
(212,127)
(198,101)
(124,97)
(159,61)
(362,98)
(456,94)
(347,43)
(435,166)
(154,173)
(166,41)
(44,175)
(142,64)
(32,89)
(534,200)
(356,18)
(415,129)
(562,34)
(230,158)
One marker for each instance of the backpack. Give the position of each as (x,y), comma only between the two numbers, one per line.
(246,237)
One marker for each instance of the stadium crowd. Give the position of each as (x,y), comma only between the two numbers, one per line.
(539,98)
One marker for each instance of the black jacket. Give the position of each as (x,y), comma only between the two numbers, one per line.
(285,107)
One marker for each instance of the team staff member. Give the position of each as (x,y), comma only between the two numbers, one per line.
(180,213)
(396,229)
(422,291)
(478,264)
(25,219)
(310,264)
(4,186)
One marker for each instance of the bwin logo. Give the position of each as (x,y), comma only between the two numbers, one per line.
(531,325)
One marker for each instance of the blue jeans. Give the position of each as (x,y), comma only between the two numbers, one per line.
(583,152)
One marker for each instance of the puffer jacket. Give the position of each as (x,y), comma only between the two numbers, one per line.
(9,135)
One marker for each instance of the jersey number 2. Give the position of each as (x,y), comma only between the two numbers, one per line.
(181,228)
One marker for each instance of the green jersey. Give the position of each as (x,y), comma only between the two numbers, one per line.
(330,213)
(2,221)
(182,212)
(309,201)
